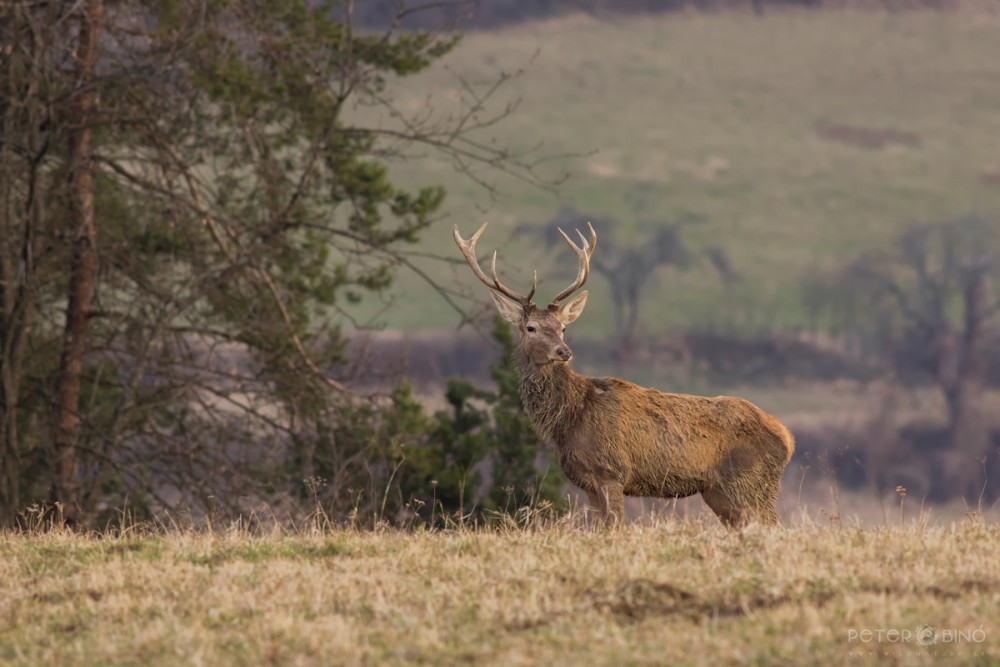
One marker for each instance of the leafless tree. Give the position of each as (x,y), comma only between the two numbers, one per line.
(934,297)
(629,268)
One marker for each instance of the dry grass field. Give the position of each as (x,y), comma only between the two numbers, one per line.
(662,592)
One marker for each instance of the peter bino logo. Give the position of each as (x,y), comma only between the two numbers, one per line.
(926,635)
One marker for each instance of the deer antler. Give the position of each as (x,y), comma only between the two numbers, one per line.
(583,254)
(468,248)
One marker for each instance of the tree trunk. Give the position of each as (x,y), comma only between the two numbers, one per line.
(612,275)
(9,459)
(962,365)
(621,352)
(9,464)
(13,318)
(83,271)
(21,213)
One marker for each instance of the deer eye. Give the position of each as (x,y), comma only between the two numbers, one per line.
(530,329)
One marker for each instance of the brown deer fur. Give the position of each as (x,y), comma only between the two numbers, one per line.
(615,438)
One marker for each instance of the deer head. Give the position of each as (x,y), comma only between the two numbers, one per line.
(541,331)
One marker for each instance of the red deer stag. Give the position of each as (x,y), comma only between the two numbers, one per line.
(615,438)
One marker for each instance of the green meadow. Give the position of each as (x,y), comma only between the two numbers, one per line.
(800,138)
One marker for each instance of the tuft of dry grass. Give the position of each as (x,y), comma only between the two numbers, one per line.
(667,592)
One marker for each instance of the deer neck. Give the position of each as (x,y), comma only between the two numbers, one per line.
(553,396)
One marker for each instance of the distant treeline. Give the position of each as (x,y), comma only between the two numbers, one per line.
(427,360)
(486,14)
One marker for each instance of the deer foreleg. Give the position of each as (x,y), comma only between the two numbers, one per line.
(609,500)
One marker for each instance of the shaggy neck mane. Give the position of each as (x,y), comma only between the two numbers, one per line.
(553,395)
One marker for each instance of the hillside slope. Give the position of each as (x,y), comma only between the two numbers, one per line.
(800,138)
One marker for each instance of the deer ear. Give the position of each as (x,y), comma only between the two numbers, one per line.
(572,310)
(509,310)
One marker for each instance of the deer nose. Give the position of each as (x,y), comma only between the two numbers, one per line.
(565,353)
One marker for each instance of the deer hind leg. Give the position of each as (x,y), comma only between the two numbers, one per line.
(729,512)
(767,511)
(609,500)
(736,508)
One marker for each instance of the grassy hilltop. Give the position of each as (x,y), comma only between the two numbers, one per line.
(675,592)
(803,138)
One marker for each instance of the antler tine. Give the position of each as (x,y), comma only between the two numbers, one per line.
(592,244)
(583,253)
(468,248)
(509,292)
